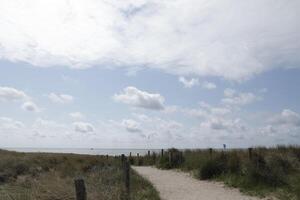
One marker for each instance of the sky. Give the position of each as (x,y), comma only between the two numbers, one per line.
(149,73)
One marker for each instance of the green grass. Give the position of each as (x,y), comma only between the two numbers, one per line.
(44,176)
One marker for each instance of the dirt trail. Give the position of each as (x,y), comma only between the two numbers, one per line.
(174,185)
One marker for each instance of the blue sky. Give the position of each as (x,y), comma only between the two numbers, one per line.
(71,76)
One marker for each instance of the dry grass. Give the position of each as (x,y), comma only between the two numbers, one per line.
(44,176)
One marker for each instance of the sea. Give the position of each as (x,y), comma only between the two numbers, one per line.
(87,151)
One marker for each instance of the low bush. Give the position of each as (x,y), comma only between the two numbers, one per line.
(234,163)
(271,171)
(214,167)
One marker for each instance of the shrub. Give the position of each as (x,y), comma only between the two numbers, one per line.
(131,160)
(140,161)
(269,172)
(234,163)
(163,163)
(211,169)
(21,168)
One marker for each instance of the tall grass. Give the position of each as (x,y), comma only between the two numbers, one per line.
(46,176)
(268,170)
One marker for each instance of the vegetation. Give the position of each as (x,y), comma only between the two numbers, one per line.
(44,176)
(263,171)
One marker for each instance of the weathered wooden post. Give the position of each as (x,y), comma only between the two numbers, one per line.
(80,189)
(250,153)
(130,154)
(170,158)
(106,157)
(123,159)
(148,153)
(210,153)
(162,153)
(138,159)
(127,179)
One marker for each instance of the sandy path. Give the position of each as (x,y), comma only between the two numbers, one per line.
(174,185)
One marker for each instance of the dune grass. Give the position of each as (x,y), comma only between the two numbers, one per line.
(45,176)
(266,171)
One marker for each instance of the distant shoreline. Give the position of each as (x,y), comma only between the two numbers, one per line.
(86,151)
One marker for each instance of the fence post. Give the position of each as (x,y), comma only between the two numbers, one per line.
(162,153)
(210,153)
(127,179)
(250,153)
(138,159)
(148,153)
(80,189)
(122,158)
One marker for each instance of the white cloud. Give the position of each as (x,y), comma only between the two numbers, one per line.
(131,125)
(60,98)
(77,116)
(228,92)
(206,111)
(268,130)
(210,38)
(239,99)
(48,128)
(208,85)
(282,125)
(83,127)
(12,94)
(188,83)
(8,123)
(30,106)
(222,124)
(286,117)
(171,109)
(135,97)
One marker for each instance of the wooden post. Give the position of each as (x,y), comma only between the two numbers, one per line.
(80,189)
(210,153)
(107,157)
(130,154)
(127,179)
(123,159)
(138,159)
(148,153)
(250,153)
(162,153)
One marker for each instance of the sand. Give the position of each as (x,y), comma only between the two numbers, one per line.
(174,185)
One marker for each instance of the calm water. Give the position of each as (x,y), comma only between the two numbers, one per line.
(111,152)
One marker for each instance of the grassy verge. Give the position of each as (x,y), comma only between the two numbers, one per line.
(264,172)
(44,176)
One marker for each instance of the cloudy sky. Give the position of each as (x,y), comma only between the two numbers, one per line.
(149,73)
